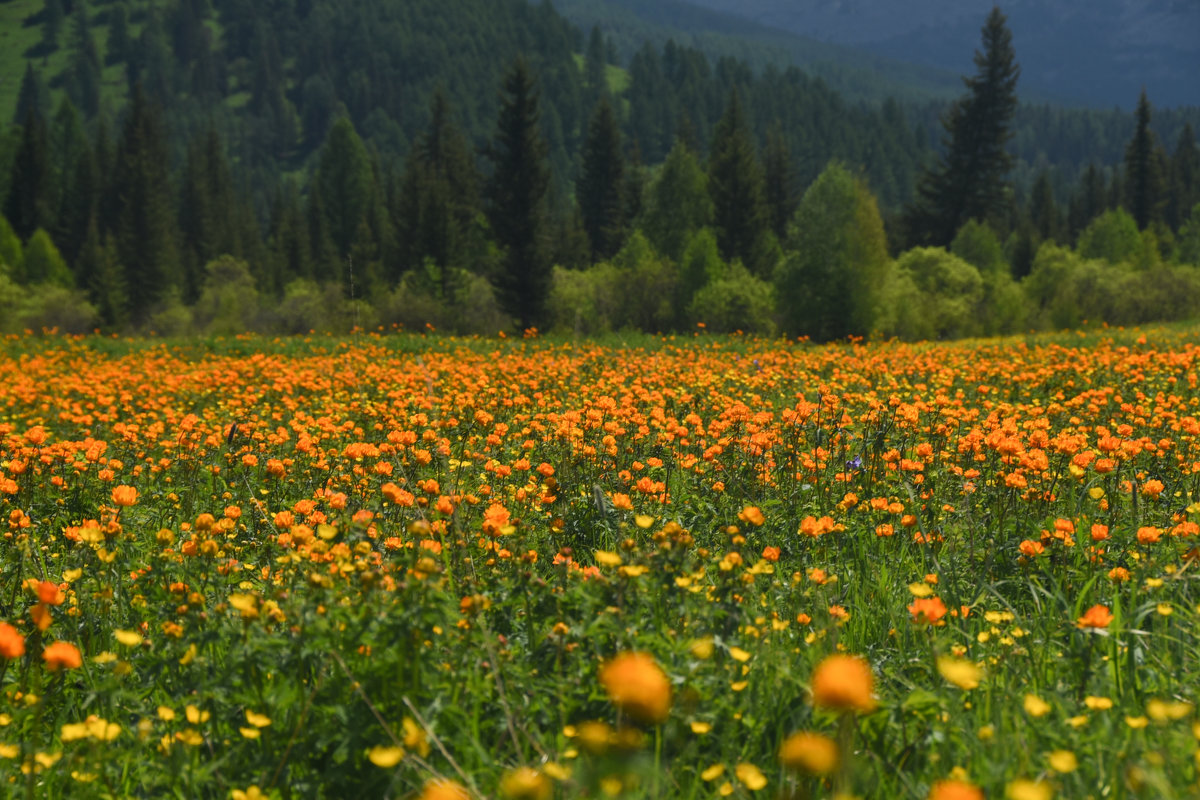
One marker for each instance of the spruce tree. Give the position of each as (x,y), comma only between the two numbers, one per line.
(678,203)
(601,188)
(735,185)
(32,96)
(145,229)
(1185,178)
(516,200)
(780,185)
(1144,181)
(969,182)
(1043,211)
(435,208)
(28,205)
(344,182)
(206,208)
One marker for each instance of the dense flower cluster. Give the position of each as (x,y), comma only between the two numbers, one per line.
(534,569)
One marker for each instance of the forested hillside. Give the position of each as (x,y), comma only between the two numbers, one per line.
(304,163)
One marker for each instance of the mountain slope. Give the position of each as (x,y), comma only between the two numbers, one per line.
(1094,52)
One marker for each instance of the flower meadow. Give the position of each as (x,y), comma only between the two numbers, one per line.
(410,567)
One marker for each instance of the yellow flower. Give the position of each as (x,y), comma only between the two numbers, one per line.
(702,648)
(606,559)
(1137,723)
(1063,761)
(809,752)
(195,716)
(166,714)
(414,737)
(251,793)
(750,776)
(1022,789)
(701,728)
(710,774)
(385,757)
(739,654)
(963,674)
(128,638)
(256,719)
(1162,710)
(443,789)
(1097,703)
(920,589)
(1078,721)
(12,751)
(250,733)
(525,783)
(1036,706)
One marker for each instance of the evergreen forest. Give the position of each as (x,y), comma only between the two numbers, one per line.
(474,166)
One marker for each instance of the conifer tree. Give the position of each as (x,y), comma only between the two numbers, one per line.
(344,182)
(438,198)
(735,185)
(678,203)
(780,186)
(118,45)
(141,191)
(1185,178)
(28,205)
(516,195)
(1144,180)
(83,75)
(969,182)
(1043,211)
(32,96)
(601,189)
(206,208)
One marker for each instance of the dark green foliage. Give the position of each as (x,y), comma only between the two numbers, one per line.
(779,188)
(83,74)
(970,181)
(735,185)
(1043,210)
(1144,180)
(343,183)
(29,203)
(53,17)
(145,219)
(207,207)
(437,210)
(32,96)
(516,194)
(1184,189)
(601,187)
(677,203)
(829,285)
(118,45)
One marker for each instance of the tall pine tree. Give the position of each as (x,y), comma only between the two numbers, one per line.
(780,186)
(1144,184)
(516,195)
(970,183)
(601,188)
(1185,178)
(145,224)
(29,202)
(735,185)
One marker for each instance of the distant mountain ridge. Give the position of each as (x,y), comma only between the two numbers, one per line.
(1093,52)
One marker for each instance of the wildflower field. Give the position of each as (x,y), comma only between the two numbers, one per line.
(392,566)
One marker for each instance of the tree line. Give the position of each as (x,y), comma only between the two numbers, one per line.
(109,227)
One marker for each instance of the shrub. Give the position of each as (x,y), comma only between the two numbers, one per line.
(228,303)
(737,302)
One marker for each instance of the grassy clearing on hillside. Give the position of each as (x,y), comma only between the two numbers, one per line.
(399,566)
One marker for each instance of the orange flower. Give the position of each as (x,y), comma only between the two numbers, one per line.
(1097,616)
(809,752)
(124,495)
(955,790)
(443,789)
(843,682)
(12,643)
(753,515)
(637,685)
(62,655)
(928,610)
(1148,535)
(50,593)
